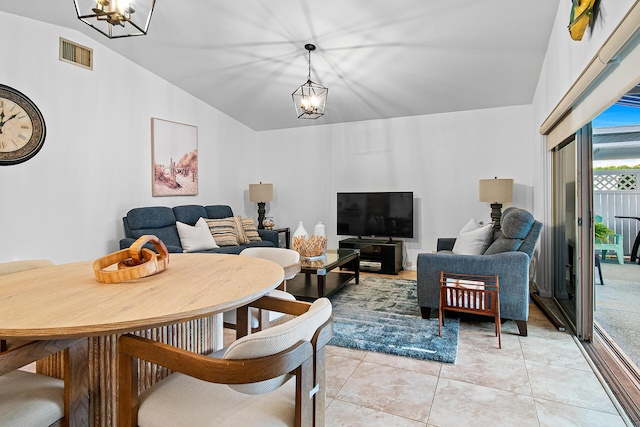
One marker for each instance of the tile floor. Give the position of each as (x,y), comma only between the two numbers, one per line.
(539,380)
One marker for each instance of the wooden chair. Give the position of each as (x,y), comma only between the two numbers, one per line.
(289,260)
(28,398)
(472,294)
(251,385)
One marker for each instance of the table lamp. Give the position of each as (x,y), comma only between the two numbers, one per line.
(496,191)
(261,193)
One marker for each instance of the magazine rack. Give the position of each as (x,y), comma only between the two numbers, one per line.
(473,294)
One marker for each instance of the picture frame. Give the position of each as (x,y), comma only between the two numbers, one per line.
(174,153)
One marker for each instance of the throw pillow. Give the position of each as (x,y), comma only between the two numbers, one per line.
(195,238)
(223,231)
(473,239)
(250,230)
(241,235)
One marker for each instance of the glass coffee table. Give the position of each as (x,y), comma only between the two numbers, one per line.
(326,281)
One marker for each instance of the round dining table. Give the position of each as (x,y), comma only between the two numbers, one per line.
(181,305)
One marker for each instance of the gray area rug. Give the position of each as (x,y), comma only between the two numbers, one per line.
(382,315)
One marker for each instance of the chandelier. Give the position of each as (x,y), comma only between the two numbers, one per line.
(116,18)
(310,99)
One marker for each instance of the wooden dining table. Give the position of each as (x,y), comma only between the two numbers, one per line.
(181,305)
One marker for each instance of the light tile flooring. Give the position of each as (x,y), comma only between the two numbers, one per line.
(539,380)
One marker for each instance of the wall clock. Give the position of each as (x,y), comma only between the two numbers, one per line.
(22,128)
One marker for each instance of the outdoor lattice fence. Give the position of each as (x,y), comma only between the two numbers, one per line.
(616,193)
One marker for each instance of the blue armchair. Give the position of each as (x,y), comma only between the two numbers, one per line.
(508,256)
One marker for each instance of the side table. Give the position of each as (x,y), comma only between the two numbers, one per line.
(287,236)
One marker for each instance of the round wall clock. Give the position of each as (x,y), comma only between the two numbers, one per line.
(22,128)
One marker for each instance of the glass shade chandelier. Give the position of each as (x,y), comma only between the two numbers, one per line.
(116,18)
(310,99)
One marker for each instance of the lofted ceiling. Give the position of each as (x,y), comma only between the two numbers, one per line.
(379,58)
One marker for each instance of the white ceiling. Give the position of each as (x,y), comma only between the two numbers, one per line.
(379,59)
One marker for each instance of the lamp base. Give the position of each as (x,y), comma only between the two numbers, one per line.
(261,212)
(496,214)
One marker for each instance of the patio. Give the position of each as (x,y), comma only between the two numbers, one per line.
(618,305)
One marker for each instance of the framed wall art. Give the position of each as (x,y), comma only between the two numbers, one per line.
(174,150)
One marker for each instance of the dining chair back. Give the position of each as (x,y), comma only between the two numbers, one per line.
(272,377)
(289,260)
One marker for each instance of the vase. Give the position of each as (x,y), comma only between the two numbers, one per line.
(320,230)
(300,232)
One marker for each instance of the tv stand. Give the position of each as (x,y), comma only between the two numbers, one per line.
(383,255)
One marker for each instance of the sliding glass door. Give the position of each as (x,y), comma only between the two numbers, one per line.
(572,234)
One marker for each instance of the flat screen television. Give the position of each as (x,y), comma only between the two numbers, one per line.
(376,214)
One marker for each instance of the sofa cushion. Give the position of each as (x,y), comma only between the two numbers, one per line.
(168,235)
(503,244)
(473,239)
(196,238)
(516,223)
(218,211)
(223,231)
(189,214)
(151,217)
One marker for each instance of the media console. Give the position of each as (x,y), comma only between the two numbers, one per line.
(377,255)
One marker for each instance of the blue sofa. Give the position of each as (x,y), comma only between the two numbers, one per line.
(508,256)
(161,222)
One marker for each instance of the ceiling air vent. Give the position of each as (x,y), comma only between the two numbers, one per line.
(74,53)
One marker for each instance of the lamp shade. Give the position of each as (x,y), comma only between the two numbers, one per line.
(260,192)
(496,190)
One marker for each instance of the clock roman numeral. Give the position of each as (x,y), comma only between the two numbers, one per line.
(22,137)
(22,116)
(25,127)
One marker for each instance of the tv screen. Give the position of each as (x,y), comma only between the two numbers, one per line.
(383,214)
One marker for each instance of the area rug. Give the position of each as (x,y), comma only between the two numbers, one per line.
(382,315)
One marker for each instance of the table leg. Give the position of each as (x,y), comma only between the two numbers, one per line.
(76,391)
(357,270)
(321,285)
(218,332)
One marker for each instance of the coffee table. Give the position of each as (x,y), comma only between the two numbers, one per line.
(305,287)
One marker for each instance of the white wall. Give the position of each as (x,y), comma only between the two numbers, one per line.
(564,62)
(66,203)
(439,157)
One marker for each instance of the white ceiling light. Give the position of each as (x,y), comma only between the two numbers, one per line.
(310,99)
(116,18)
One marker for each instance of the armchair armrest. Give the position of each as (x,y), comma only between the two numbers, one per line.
(269,236)
(512,269)
(445,244)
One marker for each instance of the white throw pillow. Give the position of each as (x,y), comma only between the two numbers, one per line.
(196,238)
(473,239)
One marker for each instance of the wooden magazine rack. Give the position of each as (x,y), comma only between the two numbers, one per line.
(468,293)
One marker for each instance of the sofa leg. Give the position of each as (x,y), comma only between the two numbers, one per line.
(522,327)
(426,312)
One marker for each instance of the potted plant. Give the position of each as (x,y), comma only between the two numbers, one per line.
(602,233)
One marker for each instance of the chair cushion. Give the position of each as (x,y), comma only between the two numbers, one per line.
(179,400)
(516,223)
(28,399)
(276,339)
